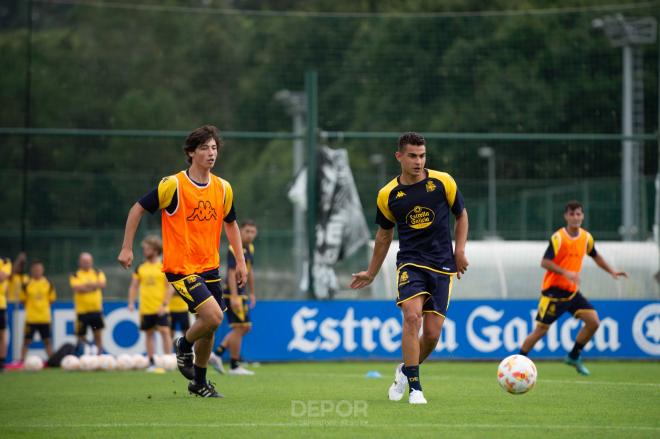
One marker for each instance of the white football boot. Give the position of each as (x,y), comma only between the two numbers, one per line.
(398,388)
(240,370)
(416,397)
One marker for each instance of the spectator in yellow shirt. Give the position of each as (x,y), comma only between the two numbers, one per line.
(5,274)
(37,295)
(87,284)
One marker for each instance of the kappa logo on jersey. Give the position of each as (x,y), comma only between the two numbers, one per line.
(420,217)
(400,194)
(430,186)
(203,212)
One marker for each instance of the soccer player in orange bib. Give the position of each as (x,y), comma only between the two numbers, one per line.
(560,291)
(194,205)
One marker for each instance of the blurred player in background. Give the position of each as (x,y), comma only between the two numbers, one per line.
(194,204)
(87,284)
(17,278)
(5,274)
(37,296)
(419,202)
(155,293)
(561,284)
(241,300)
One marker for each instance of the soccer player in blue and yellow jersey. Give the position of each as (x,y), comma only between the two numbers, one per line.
(154,292)
(419,203)
(241,300)
(5,273)
(560,291)
(194,204)
(37,295)
(87,284)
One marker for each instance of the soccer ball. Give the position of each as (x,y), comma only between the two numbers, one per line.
(159,361)
(170,362)
(140,362)
(516,374)
(33,363)
(89,362)
(70,363)
(124,362)
(107,362)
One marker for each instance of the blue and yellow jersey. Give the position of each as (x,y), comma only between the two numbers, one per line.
(421,213)
(153,286)
(86,302)
(248,254)
(5,268)
(37,295)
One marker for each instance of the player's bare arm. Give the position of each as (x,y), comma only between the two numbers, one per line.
(250,281)
(616,274)
(232,284)
(234,236)
(460,234)
(570,275)
(382,245)
(125,257)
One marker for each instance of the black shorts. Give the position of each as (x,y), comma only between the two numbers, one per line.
(415,281)
(554,302)
(150,321)
(42,328)
(241,316)
(3,319)
(196,289)
(180,320)
(92,320)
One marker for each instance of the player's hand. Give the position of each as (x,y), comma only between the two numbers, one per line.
(125,257)
(253,301)
(461,264)
(241,275)
(161,310)
(617,274)
(361,280)
(235,303)
(131,306)
(573,277)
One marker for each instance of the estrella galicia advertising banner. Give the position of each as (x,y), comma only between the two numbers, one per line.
(362,330)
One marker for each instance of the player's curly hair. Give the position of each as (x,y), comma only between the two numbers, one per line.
(199,137)
(573,205)
(410,138)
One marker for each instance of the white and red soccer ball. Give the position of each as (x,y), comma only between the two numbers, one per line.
(516,374)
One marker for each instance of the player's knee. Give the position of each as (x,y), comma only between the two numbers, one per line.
(412,318)
(593,322)
(432,336)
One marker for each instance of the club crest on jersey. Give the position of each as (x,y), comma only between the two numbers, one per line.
(430,186)
(400,194)
(403,278)
(203,212)
(420,217)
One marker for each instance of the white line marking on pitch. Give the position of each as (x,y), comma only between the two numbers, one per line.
(341,423)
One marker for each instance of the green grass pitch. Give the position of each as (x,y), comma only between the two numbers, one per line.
(620,399)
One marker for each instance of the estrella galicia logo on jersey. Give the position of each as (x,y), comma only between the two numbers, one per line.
(203,212)
(400,194)
(430,186)
(420,217)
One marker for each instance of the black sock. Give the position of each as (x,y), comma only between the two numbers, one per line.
(234,363)
(220,350)
(199,374)
(575,352)
(151,361)
(185,345)
(2,363)
(521,352)
(412,373)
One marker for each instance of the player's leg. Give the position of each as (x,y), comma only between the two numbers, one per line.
(431,328)
(81,332)
(46,336)
(166,337)
(412,323)
(582,309)
(548,312)
(98,340)
(149,341)
(530,341)
(240,330)
(3,338)
(27,340)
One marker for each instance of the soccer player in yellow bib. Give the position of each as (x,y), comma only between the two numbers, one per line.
(419,203)
(37,296)
(154,292)
(560,292)
(87,284)
(5,274)
(194,205)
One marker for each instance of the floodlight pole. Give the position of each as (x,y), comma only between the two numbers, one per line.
(488,153)
(28,124)
(311,91)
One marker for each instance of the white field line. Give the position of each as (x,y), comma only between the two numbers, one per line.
(324,424)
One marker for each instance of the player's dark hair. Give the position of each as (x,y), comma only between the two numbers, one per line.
(199,137)
(36,262)
(573,205)
(248,222)
(410,138)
